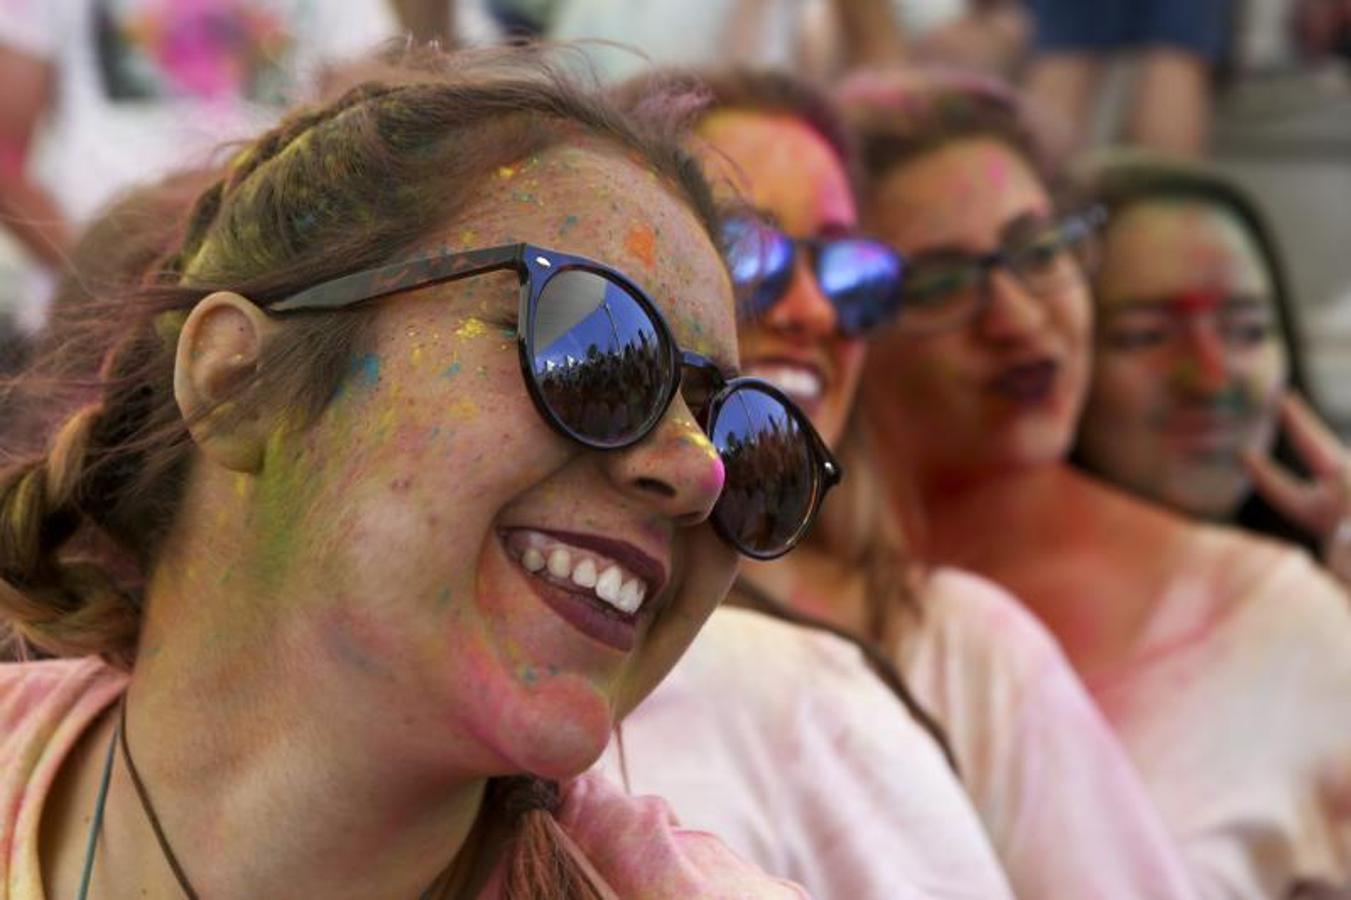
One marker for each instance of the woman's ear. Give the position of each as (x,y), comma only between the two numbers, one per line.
(220,346)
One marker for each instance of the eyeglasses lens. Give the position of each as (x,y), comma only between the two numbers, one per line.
(862,279)
(602,369)
(760,260)
(770,472)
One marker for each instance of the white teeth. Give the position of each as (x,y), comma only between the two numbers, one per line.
(792,380)
(609,584)
(560,563)
(630,596)
(607,580)
(532,559)
(585,574)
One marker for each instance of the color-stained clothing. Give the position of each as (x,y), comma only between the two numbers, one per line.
(1237,710)
(632,842)
(781,741)
(1064,807)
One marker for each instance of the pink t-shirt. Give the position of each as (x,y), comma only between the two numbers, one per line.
(1067,812)
(633,843)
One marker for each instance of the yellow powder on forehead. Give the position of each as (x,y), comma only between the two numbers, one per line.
(472,328)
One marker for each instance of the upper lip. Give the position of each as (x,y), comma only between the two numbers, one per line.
(647,567)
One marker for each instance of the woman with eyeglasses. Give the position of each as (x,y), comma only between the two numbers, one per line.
(1222,662)
(1196,399)
(412,450)
(811,287)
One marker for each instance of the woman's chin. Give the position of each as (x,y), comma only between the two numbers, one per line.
(556,740)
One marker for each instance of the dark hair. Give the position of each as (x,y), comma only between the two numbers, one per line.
(1124,179)
(329,191)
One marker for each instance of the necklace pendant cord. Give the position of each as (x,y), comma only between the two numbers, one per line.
(96,825)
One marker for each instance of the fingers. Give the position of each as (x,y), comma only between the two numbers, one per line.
(1317,445)
(1297,500)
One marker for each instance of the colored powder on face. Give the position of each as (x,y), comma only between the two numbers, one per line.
(284,489)
(366,370)
(443,598)
(452,370)
(463,408)
(416,357)
(569,223)
(472,328)
(641,241)
(505,172)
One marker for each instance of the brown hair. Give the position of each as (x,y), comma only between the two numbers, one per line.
(329,191)
(900,115)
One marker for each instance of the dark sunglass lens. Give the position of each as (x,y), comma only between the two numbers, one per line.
(771,473)
(862,278)
(600,364)
(760,260)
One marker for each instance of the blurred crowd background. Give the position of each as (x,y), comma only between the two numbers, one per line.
(99,94)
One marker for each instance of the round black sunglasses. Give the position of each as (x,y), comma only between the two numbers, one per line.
(602,367)
(861,277)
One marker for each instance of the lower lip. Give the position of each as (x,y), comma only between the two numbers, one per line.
(610,627)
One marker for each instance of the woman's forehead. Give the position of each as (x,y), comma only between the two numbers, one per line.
(960,195)
(1164,246)
(781,165)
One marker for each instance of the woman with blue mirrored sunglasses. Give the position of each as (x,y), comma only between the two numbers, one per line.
(860,277)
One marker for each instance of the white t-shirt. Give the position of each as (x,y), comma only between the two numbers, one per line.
(1237,711)
(782,742)
(145,87)
(1064,807)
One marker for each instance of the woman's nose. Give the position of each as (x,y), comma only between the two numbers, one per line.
(1207,356)
(1013,312)
(804,309)
(675,470)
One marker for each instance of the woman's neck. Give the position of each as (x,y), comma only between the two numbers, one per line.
(269,773)
(1088,560)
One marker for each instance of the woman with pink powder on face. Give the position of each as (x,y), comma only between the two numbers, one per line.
(412,451)
(805,768)
(1196,397)
(1222,661)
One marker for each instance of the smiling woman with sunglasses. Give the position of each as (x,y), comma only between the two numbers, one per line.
(1222,662)
(396,496)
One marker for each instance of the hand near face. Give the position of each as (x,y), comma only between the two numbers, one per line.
(1322,504)
(638,847)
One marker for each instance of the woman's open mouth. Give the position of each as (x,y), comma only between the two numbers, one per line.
(598,585)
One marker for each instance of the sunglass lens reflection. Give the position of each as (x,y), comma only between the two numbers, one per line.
(769,471)
(601,367)
(761,263)
(863,280)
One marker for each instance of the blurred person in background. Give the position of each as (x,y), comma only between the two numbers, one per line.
(103,94)
(1175,44)
(1060,802)
(1197,399)
(1222,661)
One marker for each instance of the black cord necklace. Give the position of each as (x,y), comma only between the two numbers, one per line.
(436,888)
